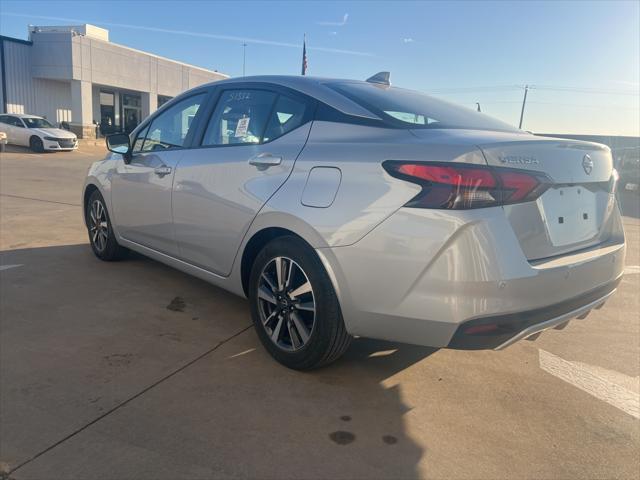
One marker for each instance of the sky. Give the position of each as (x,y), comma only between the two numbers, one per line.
(581,58)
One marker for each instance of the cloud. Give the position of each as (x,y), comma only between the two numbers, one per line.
(333,33)
(215,36)
(336,24)
(408,40)
(625,82)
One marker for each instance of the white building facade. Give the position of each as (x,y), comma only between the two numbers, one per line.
(74,76)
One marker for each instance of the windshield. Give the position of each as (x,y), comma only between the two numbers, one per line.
(409,109)
(34,122)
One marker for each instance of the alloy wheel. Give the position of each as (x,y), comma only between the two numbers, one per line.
(286,303)
(98,225)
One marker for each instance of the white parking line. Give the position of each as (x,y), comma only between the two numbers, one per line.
(242,353)
(632,269)
(7,267)
(617,389)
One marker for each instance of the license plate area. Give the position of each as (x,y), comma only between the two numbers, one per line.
(571,214)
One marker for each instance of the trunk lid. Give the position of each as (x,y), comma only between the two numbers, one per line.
(572,214)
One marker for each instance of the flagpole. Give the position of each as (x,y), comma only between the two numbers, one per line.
(304,55)
(244,57)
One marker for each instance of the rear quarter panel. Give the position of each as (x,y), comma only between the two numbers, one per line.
(366,194)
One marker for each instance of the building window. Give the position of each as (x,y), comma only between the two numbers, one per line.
(162,99)
(107,99)
(129,100)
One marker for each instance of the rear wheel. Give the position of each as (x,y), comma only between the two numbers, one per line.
(294,306)
(103,240)
(35,143)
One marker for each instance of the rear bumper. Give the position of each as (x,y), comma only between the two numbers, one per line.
(505,330)
(422,275)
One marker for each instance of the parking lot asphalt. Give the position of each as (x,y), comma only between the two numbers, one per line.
(99,379)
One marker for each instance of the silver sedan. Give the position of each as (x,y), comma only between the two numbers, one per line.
(353,208)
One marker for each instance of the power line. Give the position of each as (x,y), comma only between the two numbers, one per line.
(586,105)
(496,88)
(584,90)
(499,88)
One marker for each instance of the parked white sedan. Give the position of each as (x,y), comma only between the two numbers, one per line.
(36,133)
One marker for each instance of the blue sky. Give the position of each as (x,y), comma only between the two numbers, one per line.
(583,58)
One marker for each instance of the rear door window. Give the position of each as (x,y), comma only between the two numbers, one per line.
(15,121)
(240,117)
(287,115)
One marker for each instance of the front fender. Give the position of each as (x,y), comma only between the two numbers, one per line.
(99,176)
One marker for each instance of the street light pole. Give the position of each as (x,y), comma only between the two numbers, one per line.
(244,57)
(524,101)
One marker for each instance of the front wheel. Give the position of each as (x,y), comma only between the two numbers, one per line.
(36,145)
(294,306)
(103,240)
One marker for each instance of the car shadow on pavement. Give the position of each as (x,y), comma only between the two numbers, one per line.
(168,362)
(19,149)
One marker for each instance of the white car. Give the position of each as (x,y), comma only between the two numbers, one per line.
(36,133)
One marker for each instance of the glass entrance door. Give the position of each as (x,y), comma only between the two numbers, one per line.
(131,111)
(107,113)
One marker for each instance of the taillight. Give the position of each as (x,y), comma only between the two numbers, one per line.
(462,186)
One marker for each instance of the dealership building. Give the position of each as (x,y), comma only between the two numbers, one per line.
(74,76)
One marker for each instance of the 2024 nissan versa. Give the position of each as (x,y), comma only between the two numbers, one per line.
(344,208)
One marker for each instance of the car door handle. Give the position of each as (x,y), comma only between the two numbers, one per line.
(162,171)
(265,160)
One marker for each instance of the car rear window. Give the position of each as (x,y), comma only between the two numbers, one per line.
(410,109)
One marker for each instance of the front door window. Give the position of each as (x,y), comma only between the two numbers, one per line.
(170,128)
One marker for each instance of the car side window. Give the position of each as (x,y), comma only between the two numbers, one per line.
(139,141)
(170,128)
(240,117)
(285,116)
(15,121)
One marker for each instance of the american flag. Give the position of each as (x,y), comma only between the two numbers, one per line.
(304,56)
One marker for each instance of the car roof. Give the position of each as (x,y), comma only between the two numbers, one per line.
(316,87)
(22,115)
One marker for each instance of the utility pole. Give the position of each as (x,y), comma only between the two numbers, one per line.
(524,101)
(244,57)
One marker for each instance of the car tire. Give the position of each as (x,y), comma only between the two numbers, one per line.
(101,237)
(294,335)
(36,145)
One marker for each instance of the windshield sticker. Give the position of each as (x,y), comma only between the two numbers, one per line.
(242,127)
(237,96)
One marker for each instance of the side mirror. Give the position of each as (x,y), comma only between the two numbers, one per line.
(119,143)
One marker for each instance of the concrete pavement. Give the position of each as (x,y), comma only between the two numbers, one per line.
(99,379)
